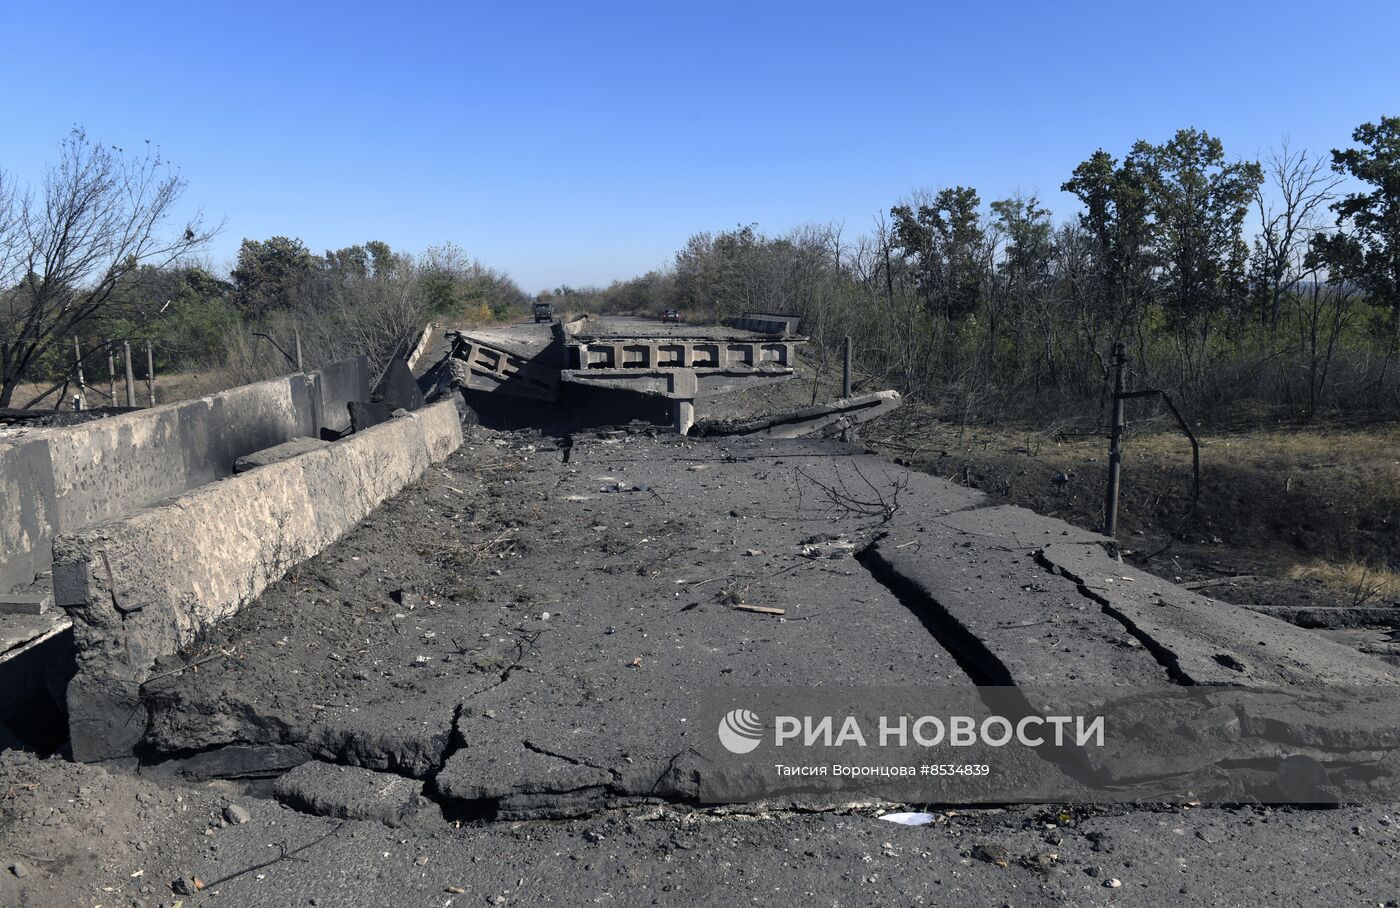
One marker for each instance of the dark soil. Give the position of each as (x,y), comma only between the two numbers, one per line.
(1270,501)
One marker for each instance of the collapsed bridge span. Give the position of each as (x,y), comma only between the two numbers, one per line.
(671,363)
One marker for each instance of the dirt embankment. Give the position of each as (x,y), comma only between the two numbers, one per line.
(1312,512)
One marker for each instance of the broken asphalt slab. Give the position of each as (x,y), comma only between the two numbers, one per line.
(351,793)
(567,606)
(1201,641)
(518,636)
(574,652)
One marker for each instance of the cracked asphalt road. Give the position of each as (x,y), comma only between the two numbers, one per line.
(482,690)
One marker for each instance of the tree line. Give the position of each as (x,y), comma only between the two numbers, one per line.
(1233,283)
(94,256)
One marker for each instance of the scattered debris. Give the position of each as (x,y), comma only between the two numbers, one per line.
(909,819)
(1217,581)
(761,609)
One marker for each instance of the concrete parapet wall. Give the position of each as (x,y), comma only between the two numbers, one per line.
(142,587)
(765,323)
(110,467)
(79,476)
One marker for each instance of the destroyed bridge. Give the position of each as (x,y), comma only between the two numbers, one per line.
(468,635)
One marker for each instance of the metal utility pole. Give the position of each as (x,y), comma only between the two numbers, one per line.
(111,376)
(1115,443)
(298,339)
(150,375)
(1115,440)
(130,379)
(78,363)
(846,369)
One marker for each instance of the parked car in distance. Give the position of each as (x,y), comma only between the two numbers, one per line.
(671,315)
(544,312)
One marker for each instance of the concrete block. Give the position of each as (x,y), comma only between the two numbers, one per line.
(278,453)
(337,385)
(364,414)
(421,347)
(64,479)
(143,587)
(29,512)
(25,603)
(398,388)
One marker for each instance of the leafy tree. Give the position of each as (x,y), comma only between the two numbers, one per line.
(185,312)
(944,236)
(1022,290)
(271,275)
(1115,217)
(350,260)
(1366,252)
(1198,203)
(382,259)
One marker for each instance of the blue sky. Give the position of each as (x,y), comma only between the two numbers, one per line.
(581,142)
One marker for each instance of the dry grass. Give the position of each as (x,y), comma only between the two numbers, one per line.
(1362,584)
(1310,493)
(169,389)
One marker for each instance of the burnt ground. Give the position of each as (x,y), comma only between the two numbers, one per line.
(1279,502)
(93,837)
(479,697)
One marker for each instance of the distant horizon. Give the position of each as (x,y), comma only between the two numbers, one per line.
(564,145)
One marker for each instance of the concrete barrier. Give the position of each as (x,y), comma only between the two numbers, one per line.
(421,347)
(110,467)
(79,476)
(28,511)
(143,587)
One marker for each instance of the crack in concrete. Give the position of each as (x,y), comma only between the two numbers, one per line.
(573,761)
(1165,657)
(979,663)
(524,644)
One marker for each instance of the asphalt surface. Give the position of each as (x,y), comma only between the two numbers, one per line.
(484,695)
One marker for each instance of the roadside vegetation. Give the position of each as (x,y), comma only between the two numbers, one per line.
(93,256)
(1242,287)
(1308,514)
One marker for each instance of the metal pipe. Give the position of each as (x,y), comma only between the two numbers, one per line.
(846,369)
(1115,443)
